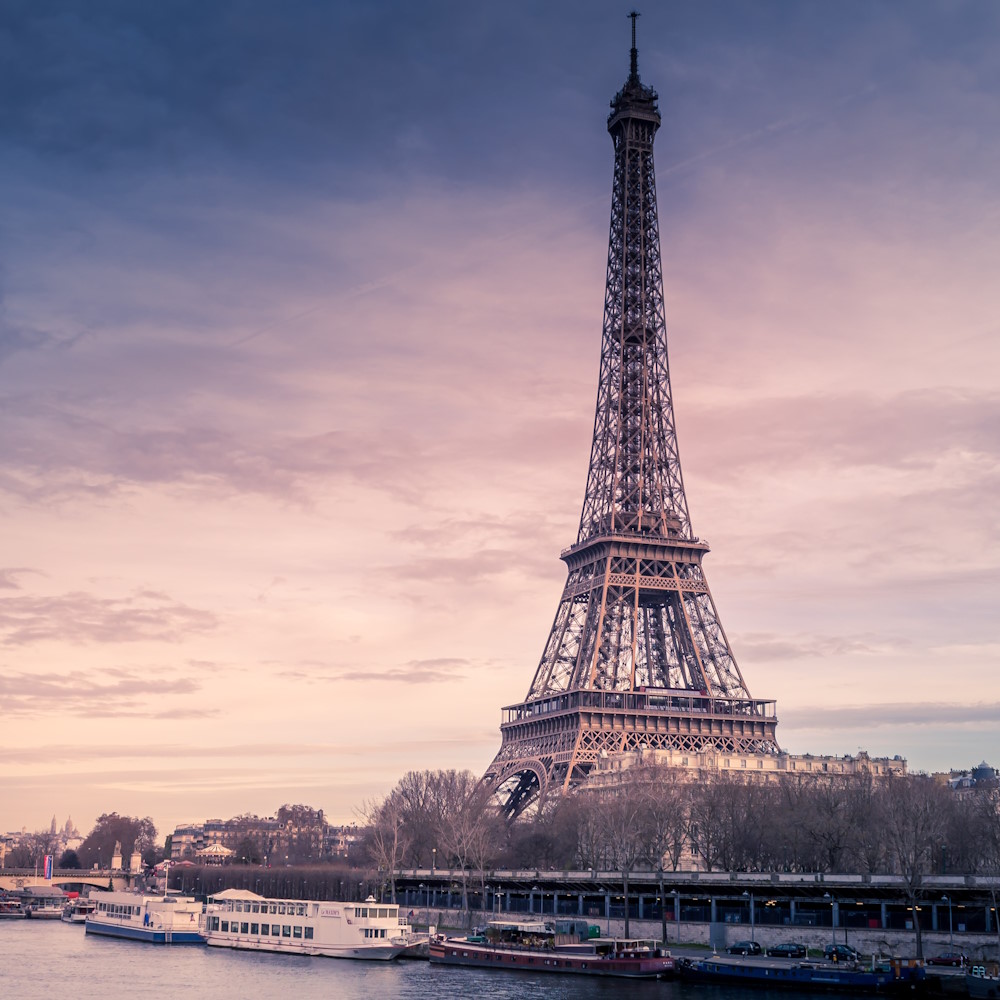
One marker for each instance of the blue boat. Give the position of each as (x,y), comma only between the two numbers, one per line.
(835,978)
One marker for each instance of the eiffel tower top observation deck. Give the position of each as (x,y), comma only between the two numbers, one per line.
(637,656)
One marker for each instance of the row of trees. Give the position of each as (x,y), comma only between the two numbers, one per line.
(653,817)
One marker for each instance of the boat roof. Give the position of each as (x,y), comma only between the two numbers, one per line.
(525,926)
(236,894)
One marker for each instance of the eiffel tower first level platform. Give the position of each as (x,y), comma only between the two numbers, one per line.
(637,656)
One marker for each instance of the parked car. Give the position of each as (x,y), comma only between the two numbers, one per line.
(744,948)
(948,958)
(840,953)
(788,949)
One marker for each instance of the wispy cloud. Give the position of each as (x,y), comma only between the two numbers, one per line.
(431,671)
(16,338)
(119,693)
(9,577)
(80,617)
(937,714)
(901,431)
(790,646)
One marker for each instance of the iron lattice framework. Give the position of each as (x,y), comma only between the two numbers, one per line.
(637,656)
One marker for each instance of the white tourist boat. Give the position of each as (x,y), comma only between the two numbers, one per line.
(156,919)
(78,909)
(371,930)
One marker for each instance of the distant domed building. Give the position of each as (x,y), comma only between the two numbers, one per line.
(983,772)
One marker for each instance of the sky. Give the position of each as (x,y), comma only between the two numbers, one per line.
(300,314)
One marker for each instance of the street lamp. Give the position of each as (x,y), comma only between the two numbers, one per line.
(951,933)
(833,922)
(663,912)
(434,858)
(750,895)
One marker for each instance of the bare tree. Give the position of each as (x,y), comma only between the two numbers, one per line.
(470,828)
(664,817)
(705,822)
(867,810)
(419,801)
(915,810)
(546,837)
(621,828)
(387,835)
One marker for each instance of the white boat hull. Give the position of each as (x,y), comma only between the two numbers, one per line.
(378,953)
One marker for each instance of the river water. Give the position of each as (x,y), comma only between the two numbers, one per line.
(49,960)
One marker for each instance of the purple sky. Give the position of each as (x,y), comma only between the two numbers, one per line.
(300,311)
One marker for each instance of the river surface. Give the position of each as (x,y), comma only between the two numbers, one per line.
(50,960)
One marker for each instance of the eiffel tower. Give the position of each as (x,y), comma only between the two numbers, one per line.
(637,657)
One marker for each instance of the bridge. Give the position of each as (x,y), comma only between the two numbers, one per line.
(12,879)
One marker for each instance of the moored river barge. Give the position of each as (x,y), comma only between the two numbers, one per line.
(534,946)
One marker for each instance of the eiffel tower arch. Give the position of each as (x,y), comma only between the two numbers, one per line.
(637,657)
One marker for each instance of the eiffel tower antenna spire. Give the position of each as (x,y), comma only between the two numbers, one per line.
(637,656)
(634,72)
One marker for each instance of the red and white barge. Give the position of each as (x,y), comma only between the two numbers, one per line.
(534,946)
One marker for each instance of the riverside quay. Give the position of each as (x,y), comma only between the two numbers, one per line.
(709,907)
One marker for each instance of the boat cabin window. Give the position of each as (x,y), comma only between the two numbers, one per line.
(297,931)
(286,930)
(256,908)
(265,929)
(309,932)
(281,907)
(275,930)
